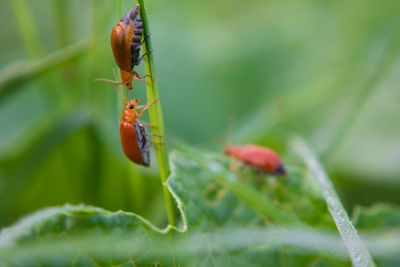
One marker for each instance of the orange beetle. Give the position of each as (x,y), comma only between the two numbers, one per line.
(260,158)
(126,39)
(133,134)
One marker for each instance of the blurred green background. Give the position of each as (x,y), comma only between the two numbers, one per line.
(327,70)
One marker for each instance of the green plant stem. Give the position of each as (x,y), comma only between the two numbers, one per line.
(380,69)
(25,69)
(27,28)
(156,118)
(61,22)
(119,13)
(357,250)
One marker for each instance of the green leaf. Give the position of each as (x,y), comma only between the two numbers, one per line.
(88,236)
(70,230)
(214,196)
(211,196)
(19,71)
(377,217)
(224,219)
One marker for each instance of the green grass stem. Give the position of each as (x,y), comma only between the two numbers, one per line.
(156,118)
(27,28)
(358,252)
(376,73)
(25,69)
(60,17)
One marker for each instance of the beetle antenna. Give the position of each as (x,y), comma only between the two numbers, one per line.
(219,141)
(126,100)
(107,80)
(229,130)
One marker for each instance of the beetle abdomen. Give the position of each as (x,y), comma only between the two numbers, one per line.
(126,39)
(134,143)
(144,146)
(134,27)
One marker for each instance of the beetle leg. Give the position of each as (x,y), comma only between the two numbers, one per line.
(237,168)
(156,135)
(150,126)
(139,114)
(140,78)
(260,178)
(234,166)
(151,143)
(144,107)
(145,38)
(145,54)
(150,134)
(156,143)
(144,123)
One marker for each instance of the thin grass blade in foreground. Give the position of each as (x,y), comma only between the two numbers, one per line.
(156,117)
(27,28)
(20,70)
(358,252)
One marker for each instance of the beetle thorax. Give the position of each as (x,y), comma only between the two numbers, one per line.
(233,151)
(129,115)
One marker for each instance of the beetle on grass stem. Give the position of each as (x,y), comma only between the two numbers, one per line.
(133,133)
(126,40)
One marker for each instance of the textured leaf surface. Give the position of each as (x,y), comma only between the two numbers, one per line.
(72,230)
(233,217)
(224,219)
(213,197)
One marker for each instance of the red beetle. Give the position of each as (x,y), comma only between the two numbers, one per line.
(133,134)
(126,40)
(260,158)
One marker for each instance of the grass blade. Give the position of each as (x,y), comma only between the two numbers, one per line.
(156,117)
(358,252)
(21,70)
(27,28)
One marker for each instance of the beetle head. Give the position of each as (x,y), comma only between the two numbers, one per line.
(131,105)
(126,79)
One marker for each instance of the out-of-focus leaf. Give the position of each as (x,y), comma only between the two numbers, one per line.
(88,235)
(380,223)
(85,236)
(67,225)
(47,141)
(209,198)
(19,71)
(377,217)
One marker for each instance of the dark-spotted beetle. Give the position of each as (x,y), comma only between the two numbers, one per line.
(134,135)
